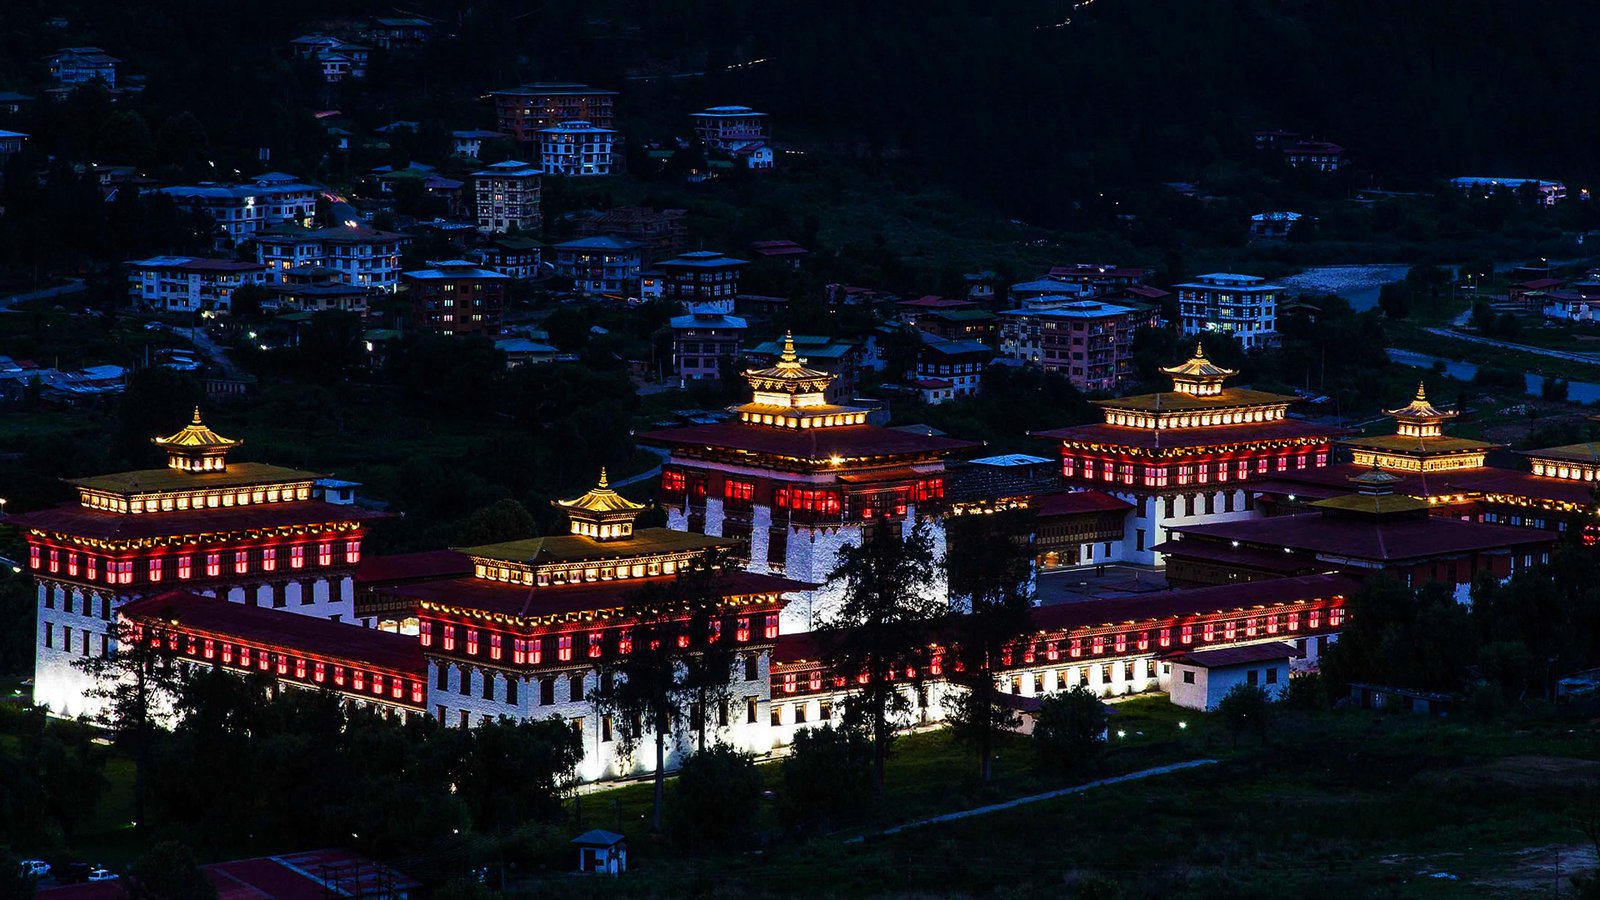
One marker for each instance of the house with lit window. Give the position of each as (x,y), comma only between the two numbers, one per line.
(702,279)
(576,148)
(456,296)
(244,533)
(1244,307)
(72,66)
(1090,341)
(190,283)
(1317,156)
(949,370)
(701,340)
(241,211)
(522,111)
(507,195)
(362,256)
(337,59)
(738,131)
(599,265)
(512,256)
(11,143)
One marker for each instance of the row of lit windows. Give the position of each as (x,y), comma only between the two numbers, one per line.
(237,562)
(316,672)
(574,574)
(1190,473)
(194,499)
(1193,420)
(1229,630)
(531,651)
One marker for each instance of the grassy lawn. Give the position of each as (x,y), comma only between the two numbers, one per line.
(1336,804)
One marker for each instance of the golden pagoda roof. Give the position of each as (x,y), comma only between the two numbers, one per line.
(789,373)
(1376,479)
(1420,410)
(196,436)
(1197,367)
(601,500)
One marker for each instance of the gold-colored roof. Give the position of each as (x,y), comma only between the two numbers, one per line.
(1374,504)
(1375,479)
(1418,446)
(1197,367)
(1578,453)
(575,547)
(1420,410)
(196,436)
(148,481)
(601,500)
(789,373)
(1177,401)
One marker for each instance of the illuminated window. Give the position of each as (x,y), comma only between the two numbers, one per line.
(1144,640)
(536,651)
(377,684)
(352,551)
(814,682)
(325,554)
(300,668)
(269,559)
(1075,647)
(738,494)
(241,562)
(297,556)
(495,650)
(1294,621)
(594,645)
(244,657)
(33,557)
(790,682)
(519,651)
(185,567)
(425,634)
(741,631)
(564,648)
(227,654)
(472,642)
(673,482)
(358,679)
(91,568)
(210,649)
(72,564)
(1313,619)
(1335,617)
(625,641)
(283,664)
(213,564)
(1208,632)
(55,560)
(155,570)
(771,631)
(1188,634)
(1122,643)
(320,673)
(449,637)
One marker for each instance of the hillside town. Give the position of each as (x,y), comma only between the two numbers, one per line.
(509,451)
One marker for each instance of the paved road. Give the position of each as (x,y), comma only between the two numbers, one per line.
(1591,358)
(1048,795)
(75,287)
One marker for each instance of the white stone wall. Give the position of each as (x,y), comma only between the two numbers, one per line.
(1149,515)
(602,758)
(1211,685)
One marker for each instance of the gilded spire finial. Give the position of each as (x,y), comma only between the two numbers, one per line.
(197,417)
(788,347)
(603,483)
(1199,350)
(1422,392)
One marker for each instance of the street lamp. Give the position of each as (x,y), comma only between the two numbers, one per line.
(2,506)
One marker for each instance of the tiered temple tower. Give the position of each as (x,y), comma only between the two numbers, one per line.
(239,532)
(1419,443)
(796,478)
(1192,455)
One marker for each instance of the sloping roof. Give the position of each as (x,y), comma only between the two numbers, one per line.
(108,526)
(195,435)
(572,547)
(1192,601)
(308,634)
(401,567)
(525,601)
(601,499)
(1373,540)
(1189,437)
(167,479)
(813,444)
(1070,503)
(1249,654)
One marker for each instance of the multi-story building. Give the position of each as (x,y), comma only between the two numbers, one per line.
(246,533)
(948,370)
(72,66)
(317,289)
(837,359)
(1099,277)
(797,477)
(660,233)
(363,257)
(507,195)
(338,59)
(1191,455)
(599,265)
(576,148)
(190,283)
(242,211)
(1318,156)
(514,257)
(522,111)
(701,340)
(738,131)
(702,279)
(970,324)
(1242,306)
(11,143)
(398,33)
(456,297)
(1089,341)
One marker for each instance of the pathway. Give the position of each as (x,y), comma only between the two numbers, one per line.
(74,287)
(645,475)
(1590,358)
(1048,795)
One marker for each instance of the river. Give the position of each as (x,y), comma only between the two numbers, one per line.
(1577,391)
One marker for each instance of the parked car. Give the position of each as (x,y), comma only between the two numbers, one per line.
(35,868)
(99,873)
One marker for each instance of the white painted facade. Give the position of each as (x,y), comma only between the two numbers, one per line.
(1149,522)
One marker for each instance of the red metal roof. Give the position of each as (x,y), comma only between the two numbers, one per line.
(529,601)
(403,567)
(1192,601)
(279,628)
(1271,651)
(91,523)
(1078,502)
(818,444)
(1364,539)
(1189,437)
